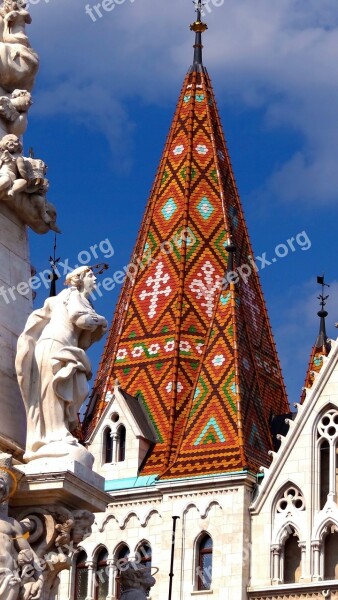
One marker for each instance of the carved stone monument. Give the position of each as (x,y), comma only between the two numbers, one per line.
(54,495)
(23,202)
(53,369)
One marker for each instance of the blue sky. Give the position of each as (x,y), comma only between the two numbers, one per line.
(103,103)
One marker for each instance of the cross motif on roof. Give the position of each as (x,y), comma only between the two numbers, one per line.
(156,291)
(206,286)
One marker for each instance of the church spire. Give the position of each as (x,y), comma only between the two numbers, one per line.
(322,345)
(191,337)
(322,342)
(198,27)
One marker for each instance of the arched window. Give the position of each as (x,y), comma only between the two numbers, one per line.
(143,554)
(324,472)
(292,558)
(81,577)
(331,554)
(107,446)
(120,556)
(121,443)
(101,575)
(327,435)
(204,562)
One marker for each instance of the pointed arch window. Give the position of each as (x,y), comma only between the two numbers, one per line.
(107,446)
(327,437)
(120,556)
(292,558)
(331,554)
(144,554)
(81,576)
(101,575)
(121,443)
(204,562)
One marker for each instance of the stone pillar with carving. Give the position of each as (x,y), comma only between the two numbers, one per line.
(23,202)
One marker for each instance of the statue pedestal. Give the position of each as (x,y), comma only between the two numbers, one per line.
(54,503)
(14,310)
(66,483)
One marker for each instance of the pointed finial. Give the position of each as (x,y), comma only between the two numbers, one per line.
(198,27)
(54,276)
(322,339)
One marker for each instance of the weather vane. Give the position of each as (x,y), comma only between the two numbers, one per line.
(322,298)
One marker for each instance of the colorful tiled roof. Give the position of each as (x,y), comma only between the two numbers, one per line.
(201,358)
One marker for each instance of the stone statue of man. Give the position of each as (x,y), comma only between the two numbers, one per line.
(136,581)
(53,368)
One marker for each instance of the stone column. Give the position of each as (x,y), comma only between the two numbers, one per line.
(275,553)
(111,573)
(302,546)
(90,588)
(316,547)
(115,439)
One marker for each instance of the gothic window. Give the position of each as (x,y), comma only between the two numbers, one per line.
(143,554)
(327,436)
(121,443)
(331,554)
(292,558)
(291,500)
(324,451)
(81,577)
(204,562)
(120,556)
(101,575)
(107,446)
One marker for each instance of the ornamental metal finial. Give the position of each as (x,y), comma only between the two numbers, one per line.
(198,27)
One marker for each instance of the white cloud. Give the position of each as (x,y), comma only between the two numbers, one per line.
(279,56)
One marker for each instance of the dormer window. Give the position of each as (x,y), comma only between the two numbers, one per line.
(121,443)
(107,446)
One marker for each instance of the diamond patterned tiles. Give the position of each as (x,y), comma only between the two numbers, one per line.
(163,344)
(205,208)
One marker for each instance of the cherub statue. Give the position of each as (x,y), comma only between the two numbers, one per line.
(13,112)
(135,581)
(64,531)
(11,162)
(15,18)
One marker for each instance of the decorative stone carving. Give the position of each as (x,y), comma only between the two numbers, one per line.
(136,580)
(54,534)
(23,186)
(18,61)
(13,112)
(19,575)
(53,369)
